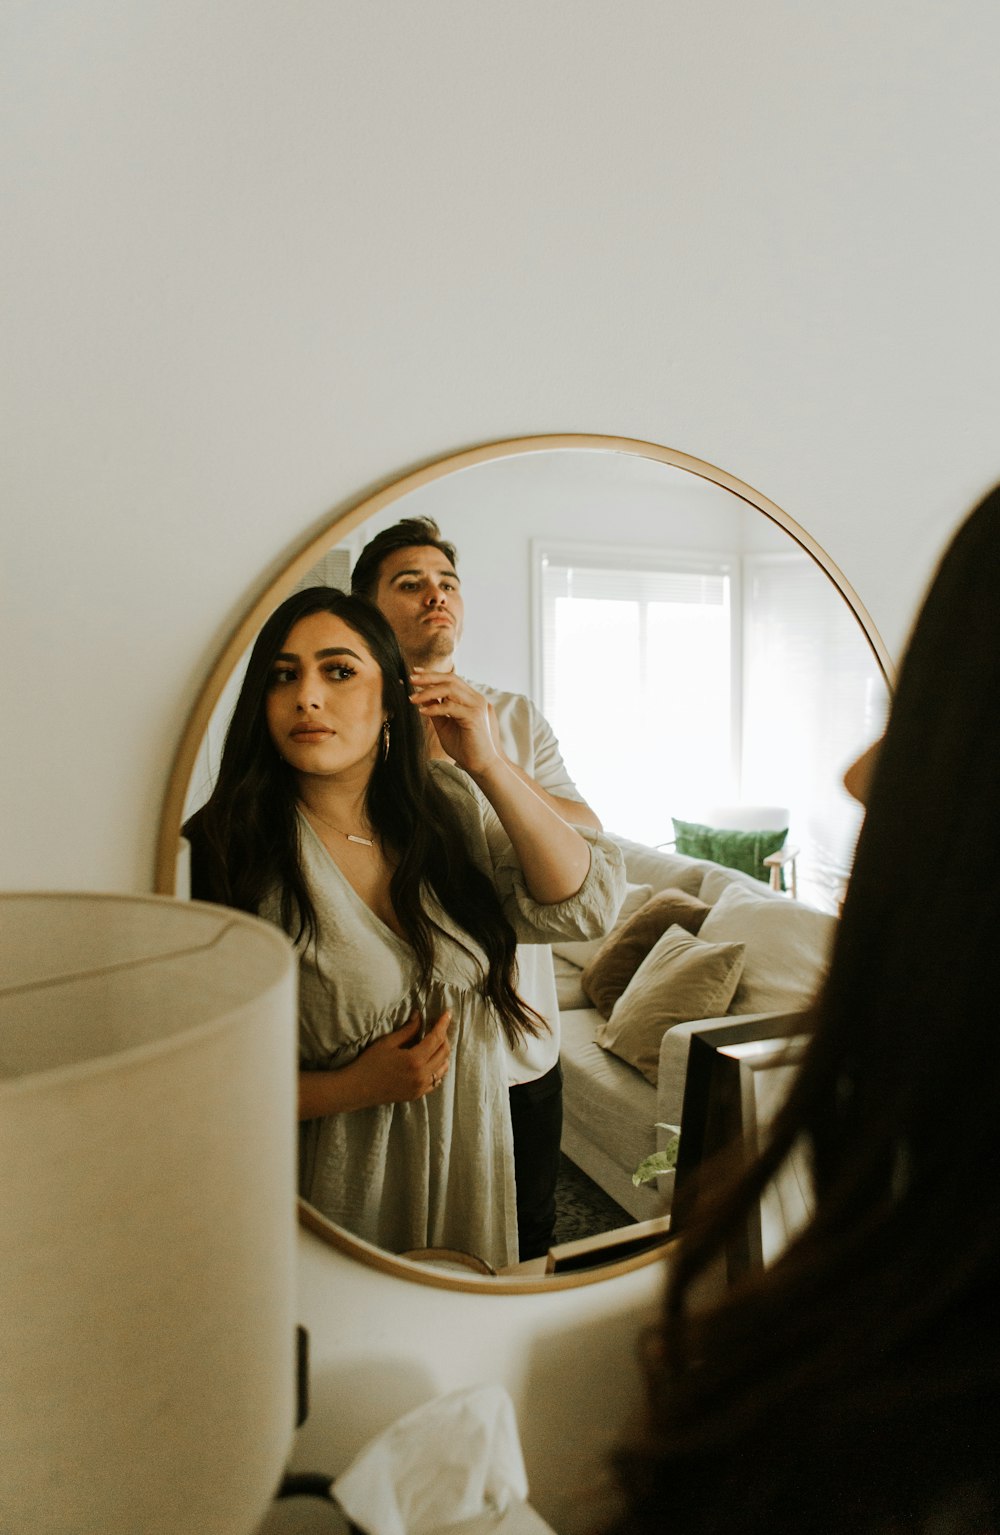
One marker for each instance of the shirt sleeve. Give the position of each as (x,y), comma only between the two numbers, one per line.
(529,740)
(587,914)
(549,770)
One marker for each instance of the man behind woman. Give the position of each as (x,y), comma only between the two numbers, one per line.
(409,571)
(855,1385)
(406,885)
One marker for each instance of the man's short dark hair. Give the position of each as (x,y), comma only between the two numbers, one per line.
(402,535)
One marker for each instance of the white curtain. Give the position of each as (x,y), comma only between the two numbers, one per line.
(813,698)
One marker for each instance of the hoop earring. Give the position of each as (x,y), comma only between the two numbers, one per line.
(385,740)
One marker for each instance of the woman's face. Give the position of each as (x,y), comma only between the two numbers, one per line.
(324,699)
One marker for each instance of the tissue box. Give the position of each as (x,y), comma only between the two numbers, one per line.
(454,1464)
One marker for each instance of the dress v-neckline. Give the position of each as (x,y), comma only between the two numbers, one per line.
(355,893)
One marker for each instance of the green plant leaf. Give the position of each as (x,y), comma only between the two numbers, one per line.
(664,1161)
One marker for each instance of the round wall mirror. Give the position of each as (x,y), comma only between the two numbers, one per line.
(691,645)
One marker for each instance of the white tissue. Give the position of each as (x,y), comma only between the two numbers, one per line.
(453,1459)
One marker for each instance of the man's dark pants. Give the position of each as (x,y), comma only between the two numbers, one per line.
(536,1117)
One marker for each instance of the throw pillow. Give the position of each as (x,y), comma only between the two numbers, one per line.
(580,951)
(624,950)
(787,948)
(680,979)
(745,850)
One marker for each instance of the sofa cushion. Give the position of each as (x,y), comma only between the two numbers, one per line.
(718,879)
(624,950)
(681,978)
(660,867)
(604,1100)
(581,951)
(787,948)
(569,992)
(744,850)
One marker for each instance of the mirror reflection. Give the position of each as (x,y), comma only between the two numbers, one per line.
(406,884)
(695,667)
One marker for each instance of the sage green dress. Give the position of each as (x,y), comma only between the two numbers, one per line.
(438,1172)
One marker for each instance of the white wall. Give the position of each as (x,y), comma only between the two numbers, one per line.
(493,511)
(570,1359)
(260,256)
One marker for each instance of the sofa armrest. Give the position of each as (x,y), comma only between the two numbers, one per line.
(674,1048)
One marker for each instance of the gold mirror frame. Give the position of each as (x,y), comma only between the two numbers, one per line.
(332,532)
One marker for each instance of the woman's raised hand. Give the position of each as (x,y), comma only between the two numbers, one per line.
(460,715)
(401,1067)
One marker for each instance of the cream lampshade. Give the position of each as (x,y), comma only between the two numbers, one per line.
(147,1225)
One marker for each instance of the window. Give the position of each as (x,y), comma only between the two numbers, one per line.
(680,682)
(637,679)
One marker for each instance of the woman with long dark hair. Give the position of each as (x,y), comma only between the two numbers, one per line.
(855,1384)
(406,886)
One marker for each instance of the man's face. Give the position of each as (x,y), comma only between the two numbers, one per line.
(420,595)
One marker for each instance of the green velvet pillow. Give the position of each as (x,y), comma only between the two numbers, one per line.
(744,850)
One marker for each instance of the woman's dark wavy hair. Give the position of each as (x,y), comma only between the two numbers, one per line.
(245,840)
(855,1384)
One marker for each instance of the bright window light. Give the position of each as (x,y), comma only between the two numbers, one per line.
(681,682)
(637,666)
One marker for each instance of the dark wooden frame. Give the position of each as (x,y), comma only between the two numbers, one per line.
(720,1119)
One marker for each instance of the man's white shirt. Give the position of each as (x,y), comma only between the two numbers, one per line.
(528,739)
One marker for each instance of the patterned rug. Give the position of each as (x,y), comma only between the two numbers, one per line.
(582,1208)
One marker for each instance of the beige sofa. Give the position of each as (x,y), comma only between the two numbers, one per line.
(611,1109)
